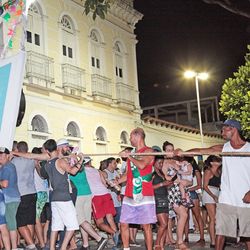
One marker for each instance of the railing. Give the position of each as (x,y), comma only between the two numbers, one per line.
(39,69)
(125,93)
(73,79)
(101,86)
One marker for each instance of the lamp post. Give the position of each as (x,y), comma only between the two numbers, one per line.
(196,76)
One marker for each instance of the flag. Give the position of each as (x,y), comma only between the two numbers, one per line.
(11,81)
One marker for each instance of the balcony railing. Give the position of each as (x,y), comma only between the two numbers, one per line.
(39,69)
(73,79)
(101,86)
(125,93)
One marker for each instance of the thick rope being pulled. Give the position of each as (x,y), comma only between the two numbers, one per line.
(240,154)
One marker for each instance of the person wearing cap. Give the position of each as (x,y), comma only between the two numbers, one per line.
(234,199)
(8,187)
(62,207)
(84,210)
(63,147)
(102,203)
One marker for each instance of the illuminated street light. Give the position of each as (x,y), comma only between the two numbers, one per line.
(201,76)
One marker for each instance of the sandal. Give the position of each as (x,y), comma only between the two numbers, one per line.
(170,243)
(157,247)
(181,246)
(200,242)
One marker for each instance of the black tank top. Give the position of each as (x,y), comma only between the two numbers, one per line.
(59,182)
(162,191)
(215,181)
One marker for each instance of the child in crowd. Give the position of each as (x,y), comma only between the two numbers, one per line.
(184,172)
(180,170)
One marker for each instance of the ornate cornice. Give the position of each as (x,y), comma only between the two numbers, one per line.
(123,9)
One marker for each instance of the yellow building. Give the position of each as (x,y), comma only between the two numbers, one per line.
(81,80)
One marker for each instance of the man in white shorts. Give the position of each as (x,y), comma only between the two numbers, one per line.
(63,210)
(234,198)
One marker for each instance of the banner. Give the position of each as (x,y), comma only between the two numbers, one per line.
(11,81)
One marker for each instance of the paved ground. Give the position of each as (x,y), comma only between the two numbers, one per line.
(192,238)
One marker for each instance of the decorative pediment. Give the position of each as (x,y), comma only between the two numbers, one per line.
(123,9)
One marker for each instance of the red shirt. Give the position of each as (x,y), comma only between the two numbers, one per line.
(147,187)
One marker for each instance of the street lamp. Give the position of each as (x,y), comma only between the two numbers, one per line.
(201,76)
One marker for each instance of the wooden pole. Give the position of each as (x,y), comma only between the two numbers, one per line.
(241,154)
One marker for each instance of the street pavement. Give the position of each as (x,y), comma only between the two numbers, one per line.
(192,239)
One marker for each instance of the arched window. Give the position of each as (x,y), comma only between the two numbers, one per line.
(124,137)
(73,130)
(96,63)
(94,35)
(119,61)
(101,134)
(35,29)
(33,8)
(66,24)
(68,39)
(39,124)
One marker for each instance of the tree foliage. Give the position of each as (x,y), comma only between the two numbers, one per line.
(235,98)
(97,7)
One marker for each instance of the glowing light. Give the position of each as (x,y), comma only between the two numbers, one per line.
(203,76)
(192,74)
(189,74)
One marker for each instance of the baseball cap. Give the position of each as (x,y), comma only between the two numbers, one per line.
(86,159)
(62,142)
(156,148)
(4,150)
(232,123)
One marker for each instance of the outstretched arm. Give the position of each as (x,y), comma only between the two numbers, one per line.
(39,157)
(211,150)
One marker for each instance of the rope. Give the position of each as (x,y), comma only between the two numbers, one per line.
(240,154)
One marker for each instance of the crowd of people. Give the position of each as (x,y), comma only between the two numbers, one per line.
(52,192)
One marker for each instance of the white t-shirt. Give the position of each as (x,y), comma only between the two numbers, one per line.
(95,182)
(235,179)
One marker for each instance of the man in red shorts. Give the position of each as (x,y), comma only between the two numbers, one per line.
(102,203)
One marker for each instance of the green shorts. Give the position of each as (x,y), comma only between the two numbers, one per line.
(10,215)
(42,198)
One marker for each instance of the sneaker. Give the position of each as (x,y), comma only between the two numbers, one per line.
(21,246)
(116,237)
(134,244)
(102,243)
(30,247)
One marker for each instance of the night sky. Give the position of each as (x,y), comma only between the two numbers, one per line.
(175,35)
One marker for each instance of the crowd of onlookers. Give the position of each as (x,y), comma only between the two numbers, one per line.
(182,189)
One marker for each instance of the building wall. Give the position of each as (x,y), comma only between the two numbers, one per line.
(157,135)
(61,92)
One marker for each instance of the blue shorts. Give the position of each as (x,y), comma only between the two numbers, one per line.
(118,214)
(193,195)
(2,209)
